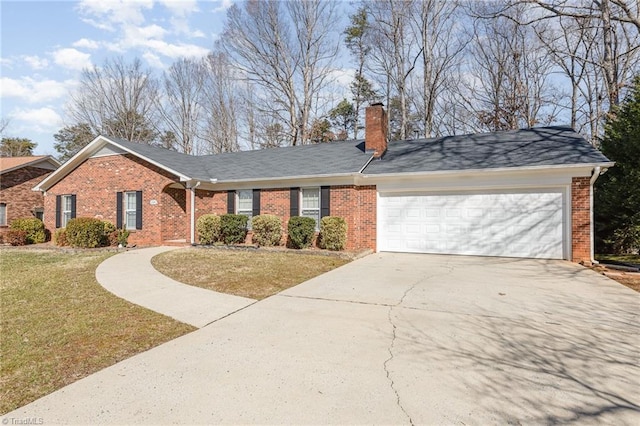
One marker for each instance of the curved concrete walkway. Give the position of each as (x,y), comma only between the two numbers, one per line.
(131,276)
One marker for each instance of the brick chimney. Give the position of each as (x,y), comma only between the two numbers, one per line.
(375,129)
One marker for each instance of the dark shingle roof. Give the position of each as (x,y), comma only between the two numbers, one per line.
(307,160)
(543,146)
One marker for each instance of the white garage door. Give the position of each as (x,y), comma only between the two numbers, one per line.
(527,224)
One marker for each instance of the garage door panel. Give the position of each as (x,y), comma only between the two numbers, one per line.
(527,224)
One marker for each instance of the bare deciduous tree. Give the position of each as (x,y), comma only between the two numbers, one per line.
(509,75)
(221,102)
(394,53)
(118,99)
(180,106)
(286,50)
(435,24)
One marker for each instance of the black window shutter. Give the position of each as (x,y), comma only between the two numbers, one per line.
(138,209)
(231,202)
(256,202)
(58,210)
(119,210)
(325,201)
(295,201)
(73,206)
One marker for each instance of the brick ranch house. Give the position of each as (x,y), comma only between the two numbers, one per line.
(18,175)
(525,193)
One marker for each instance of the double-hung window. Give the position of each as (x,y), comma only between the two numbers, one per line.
(3,214)
(66,209)
(130,210)
(311,204)
(245,204)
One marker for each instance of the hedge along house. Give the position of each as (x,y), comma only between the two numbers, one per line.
(525,193)
(17,176)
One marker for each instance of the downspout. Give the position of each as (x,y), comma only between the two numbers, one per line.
(193,212)
(594,176)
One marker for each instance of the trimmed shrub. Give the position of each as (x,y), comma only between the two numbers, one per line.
(60,237)
(208,228)
(16,237)
(301,231)
(109,228)
(333,233)
(233,228)
(85,232)
(33,227)
(267,230)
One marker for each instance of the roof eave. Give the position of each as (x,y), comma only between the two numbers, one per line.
(86,152)
(603,165)
(47,158)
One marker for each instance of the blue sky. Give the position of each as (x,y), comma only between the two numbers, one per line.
(45,45)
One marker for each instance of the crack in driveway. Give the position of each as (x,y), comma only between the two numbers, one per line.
(449,269)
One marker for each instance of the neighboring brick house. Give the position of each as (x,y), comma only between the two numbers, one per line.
(18,176)
(523,193)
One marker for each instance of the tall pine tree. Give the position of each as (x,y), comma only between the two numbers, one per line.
(617,194)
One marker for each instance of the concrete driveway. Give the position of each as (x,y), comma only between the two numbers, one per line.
(391,339)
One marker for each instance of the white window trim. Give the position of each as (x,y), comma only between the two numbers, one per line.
(3,206)
(128,210)
(246,212)
(65,215)
(318,209)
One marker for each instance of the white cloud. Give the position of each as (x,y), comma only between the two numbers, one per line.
(30,90)
(153,60)
(181,7)
(37,119)
(35,62)
(224,5)
(101,12)
(175,51)
(150,40)
(6,62)
(86,43)
(181,26)
(72,58)
(344,77)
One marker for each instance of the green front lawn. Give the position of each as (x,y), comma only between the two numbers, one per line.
(59,325)
(251,274)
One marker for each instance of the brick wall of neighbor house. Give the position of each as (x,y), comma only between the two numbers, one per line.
(581,219)
(16,193)
(356,204)
(96,182)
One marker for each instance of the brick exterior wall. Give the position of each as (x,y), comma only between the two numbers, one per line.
(356,204)
(581,219)
(16,193)
(375,129)
(96,182)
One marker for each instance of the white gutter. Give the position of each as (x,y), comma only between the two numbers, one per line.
(597,171)
(192,188)
(476,171)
